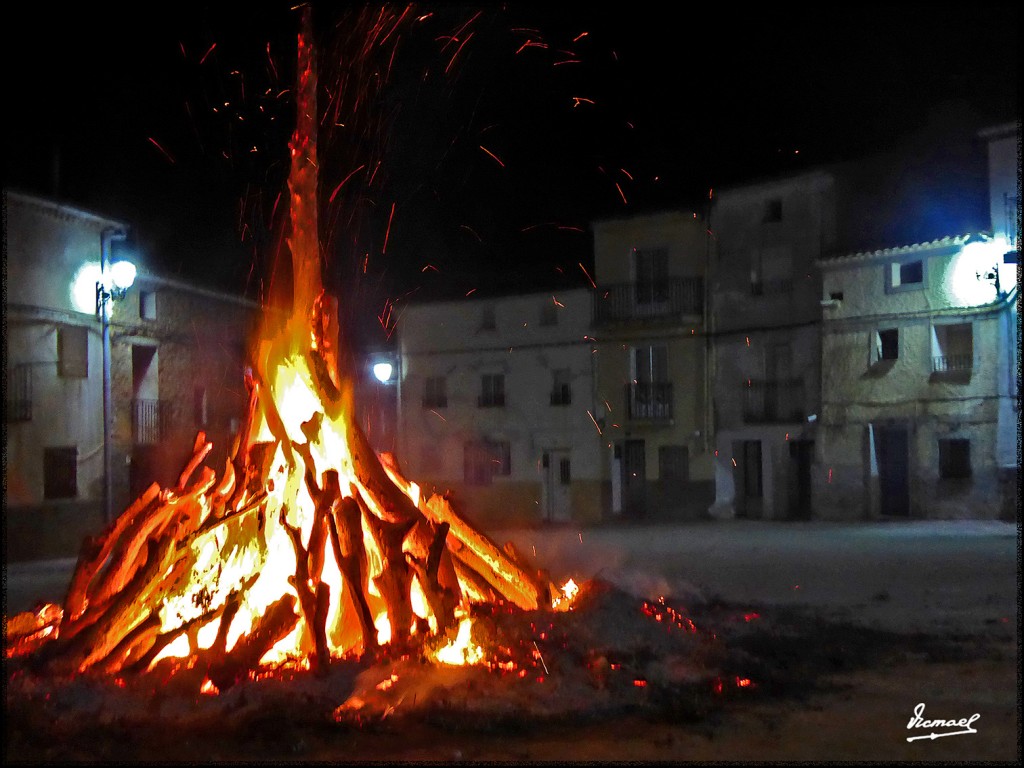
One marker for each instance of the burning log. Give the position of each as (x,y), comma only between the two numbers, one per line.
(279,619)
(95,551)
(346,538)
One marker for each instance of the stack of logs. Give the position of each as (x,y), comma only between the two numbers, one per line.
(110,622)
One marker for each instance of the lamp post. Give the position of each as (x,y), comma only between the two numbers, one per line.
(113,284)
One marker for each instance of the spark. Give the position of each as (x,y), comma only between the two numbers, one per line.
(345,180)
(471,230)
(270,60)
(595,423)
(430,266)
(579,100)
(621,193)
(207,53)
(748,341)
(566,61)
(558,303)
(580,36)
(530,44)
(589,278)
(498,159)
(581,537)
(388,232)
(734,462)
(627,174)
(471,290)
(156,144)
(454,55)
(569,228)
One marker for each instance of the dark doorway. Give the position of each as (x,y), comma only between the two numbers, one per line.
(892,445)
(634,478)
(801,453)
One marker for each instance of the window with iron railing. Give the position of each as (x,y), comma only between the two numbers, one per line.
(671,299)
(149,421)
(649,401)
(18,397)
(952,348)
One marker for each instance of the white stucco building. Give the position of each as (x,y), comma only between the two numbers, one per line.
(496,404)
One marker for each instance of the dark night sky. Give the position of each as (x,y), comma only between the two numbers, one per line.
(176,118)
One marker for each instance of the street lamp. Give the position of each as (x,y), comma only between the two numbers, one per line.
(112,285)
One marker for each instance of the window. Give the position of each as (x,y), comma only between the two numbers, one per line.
(954,459)
(952,348)
(561,389)
(492,390)
(887,345)
(564,472)
(73,351)
(488,320)
(147,305)
(772,211)
(549,313)
(435,393)
(18,397)
(60,473)
(650,267)
(905,275)
(487,459)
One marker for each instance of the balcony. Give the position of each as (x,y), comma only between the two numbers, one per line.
(649,401)
(18,397)
(149,421)
(773,402)
(952,363)
(669,300)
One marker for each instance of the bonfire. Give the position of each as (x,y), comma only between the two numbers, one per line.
(307,547)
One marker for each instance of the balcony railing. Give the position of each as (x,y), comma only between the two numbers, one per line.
(649,401)
(149,421)
(665,300)
(491,400)
(18,398)
(773,402)
(952,363)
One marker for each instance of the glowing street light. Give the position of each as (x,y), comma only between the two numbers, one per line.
(382,371)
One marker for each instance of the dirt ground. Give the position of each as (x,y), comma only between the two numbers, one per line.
(836,676)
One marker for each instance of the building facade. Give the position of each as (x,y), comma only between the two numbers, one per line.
(176,363)
(765,321)
(915,350)
(496,405)
(651,373)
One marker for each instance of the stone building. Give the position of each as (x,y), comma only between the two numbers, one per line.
(921,367)
(176,367)
(651,375)
(916,349)
(496,405)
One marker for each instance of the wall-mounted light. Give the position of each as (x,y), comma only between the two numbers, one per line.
(383,371)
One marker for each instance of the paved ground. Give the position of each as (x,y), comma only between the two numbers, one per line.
(952,587)
(932,576)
